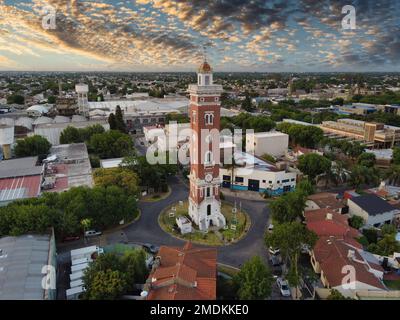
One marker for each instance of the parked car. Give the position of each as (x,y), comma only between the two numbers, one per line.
(276,260)
(283,287)
(70,238)
(151,248)
(274,251)
(92,233)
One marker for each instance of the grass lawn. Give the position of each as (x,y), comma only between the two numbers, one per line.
(156,196)
(211,238)
(392,284)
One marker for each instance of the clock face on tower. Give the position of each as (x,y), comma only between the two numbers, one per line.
(208,177)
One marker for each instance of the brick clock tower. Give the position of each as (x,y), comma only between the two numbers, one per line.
(204,112)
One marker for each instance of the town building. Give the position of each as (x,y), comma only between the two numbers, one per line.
(204,201)
(26,262)
(273,143)
(20,179)
(372,134)
(140,113)
(337,250)
(187,273)
(253,174)
(357,109)
(374,210)
(69,167)
(326,200)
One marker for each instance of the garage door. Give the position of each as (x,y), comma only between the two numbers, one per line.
(254,185)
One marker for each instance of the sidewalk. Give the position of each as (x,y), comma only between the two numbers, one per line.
(247,195)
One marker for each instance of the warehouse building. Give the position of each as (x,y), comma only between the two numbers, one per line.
(28,267)
(272,143)
(20,179)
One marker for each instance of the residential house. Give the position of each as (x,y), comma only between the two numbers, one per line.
(326,200)
(187,273)
(339,258)
(374,210)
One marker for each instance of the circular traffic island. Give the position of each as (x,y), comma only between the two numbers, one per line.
(237,225)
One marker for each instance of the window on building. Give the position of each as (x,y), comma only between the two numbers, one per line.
(263,181)
(194,117)
(207,80)
(292,179)
(270,181)
(208,192)
(199,80)
(278,181)
(239,179)
(285,181)
(209,118)
(216,99)
(226,178)
(208,157)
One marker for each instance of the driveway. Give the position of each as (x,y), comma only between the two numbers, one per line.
(147,229)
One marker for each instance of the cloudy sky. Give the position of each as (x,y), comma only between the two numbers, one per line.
(167,35)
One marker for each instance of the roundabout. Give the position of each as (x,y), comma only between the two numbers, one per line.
(238,223)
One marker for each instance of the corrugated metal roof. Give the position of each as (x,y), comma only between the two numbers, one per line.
(21,267)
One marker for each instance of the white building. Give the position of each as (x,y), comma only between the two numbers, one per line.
(272,143)
(257,175)
(374,210)
(184,225)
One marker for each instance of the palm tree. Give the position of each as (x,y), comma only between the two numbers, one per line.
(231,168)
(393,174)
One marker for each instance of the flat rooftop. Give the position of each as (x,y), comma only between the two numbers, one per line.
(19,167)
(73,166)
(21,263)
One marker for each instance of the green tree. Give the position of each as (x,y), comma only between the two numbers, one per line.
(32,146)
(313,164)
(356,222)
(247,105)
(393,174)
(396,155)
(388,229)
(51,99)
(288,207)
(254,280)
(124,178)
(110,144)
(290,238)
(70,135)
(16,98)
(119,119)
(104,285)
(336,295)
(112,121)
(361,175)
(386,246)
(366,159)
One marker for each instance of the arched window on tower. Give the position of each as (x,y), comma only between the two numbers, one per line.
(208,158)
(207,80)
(209,118)
(199,80)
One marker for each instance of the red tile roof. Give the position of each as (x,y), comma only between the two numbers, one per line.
(336,225)
(186,273)
(333,255)
(326,200)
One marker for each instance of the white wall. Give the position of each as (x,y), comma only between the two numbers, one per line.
(274,144)
(262,176)
(355,210)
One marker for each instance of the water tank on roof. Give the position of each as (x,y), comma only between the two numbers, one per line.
(6,134)
(82,88)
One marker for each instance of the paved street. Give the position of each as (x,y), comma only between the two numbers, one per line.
(146,229)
